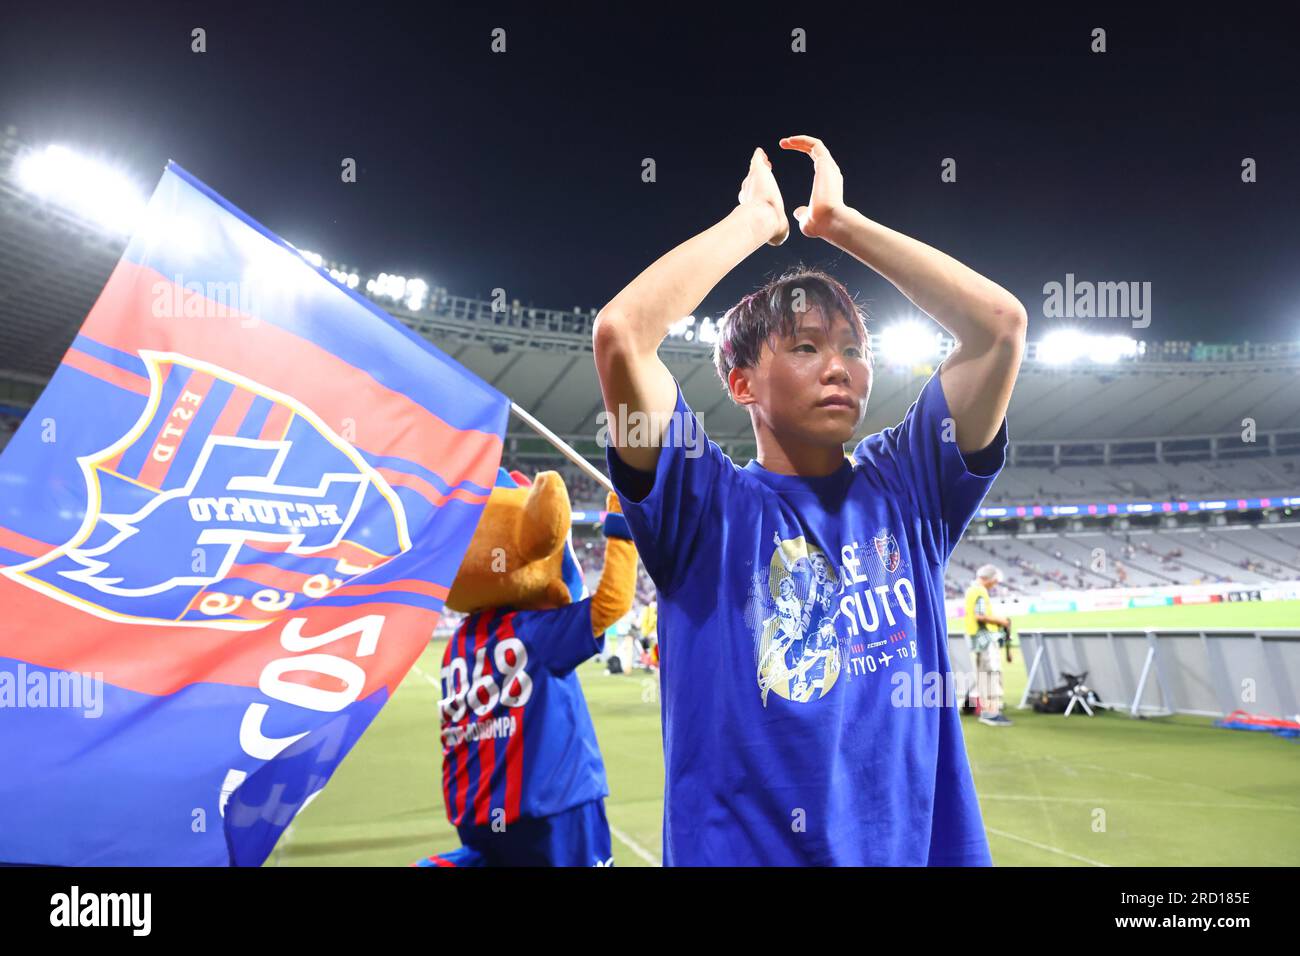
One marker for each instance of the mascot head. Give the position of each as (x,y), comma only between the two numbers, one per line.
(521,555)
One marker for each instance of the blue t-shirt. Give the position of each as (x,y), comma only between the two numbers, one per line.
(809,712)
(517,739)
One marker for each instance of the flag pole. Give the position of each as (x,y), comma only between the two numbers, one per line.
(562,447)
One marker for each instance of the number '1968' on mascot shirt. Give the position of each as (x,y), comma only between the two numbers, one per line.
(809,710)
(517,737)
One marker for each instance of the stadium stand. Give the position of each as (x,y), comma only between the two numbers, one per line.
(1171,421)
(1084,560)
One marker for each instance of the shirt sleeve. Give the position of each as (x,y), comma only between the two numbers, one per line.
(666,508)
(563,637)
(920,455)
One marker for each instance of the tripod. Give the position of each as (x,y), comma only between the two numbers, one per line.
(1079,692)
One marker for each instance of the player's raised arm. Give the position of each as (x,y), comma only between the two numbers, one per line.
(630,327)
(986,320)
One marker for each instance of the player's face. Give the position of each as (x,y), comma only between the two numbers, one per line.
(815,384)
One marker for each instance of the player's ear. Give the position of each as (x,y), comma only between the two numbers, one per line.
(740,384)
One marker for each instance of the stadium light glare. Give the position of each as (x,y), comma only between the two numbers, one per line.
(88,188)
(708,331)
(159,226)
(909,342)
(417,291)
(1109,349)
(383,285)
(413,293)
(1062,346)
(1067,345)
(678,329)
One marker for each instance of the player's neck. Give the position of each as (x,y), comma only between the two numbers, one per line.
(786,456)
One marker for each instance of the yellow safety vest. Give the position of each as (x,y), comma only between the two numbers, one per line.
(973,595)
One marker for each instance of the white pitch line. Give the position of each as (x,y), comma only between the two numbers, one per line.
(1261,804)
(635,847)
(1044,846)
(434,683)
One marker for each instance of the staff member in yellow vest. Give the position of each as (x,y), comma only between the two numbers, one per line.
(649,635)
(984,627)
(649,620)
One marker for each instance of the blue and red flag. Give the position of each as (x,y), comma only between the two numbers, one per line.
(227,529)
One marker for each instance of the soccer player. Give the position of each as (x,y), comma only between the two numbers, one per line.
(822,749)
(985,628)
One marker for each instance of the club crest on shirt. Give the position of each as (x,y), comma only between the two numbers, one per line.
(798,648)
(887,550)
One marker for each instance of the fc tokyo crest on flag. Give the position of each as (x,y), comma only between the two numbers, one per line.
(240,524)
(219,473)
(887,550)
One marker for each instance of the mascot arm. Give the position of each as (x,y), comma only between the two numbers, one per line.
(613,597)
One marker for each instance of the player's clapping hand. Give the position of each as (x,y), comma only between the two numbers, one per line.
(759,189)
(827,198)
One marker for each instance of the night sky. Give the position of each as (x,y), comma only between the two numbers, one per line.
(523,170)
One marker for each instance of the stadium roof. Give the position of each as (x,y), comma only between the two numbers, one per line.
(53,265)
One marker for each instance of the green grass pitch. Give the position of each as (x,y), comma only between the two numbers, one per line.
(1105,791)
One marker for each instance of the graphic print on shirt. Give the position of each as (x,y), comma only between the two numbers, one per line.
(798,651)
(474,706)
(815,620)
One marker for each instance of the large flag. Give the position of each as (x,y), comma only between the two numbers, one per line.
(227,529)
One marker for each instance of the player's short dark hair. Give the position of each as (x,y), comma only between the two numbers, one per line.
(771,311)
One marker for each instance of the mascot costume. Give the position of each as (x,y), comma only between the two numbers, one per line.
(522,777)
